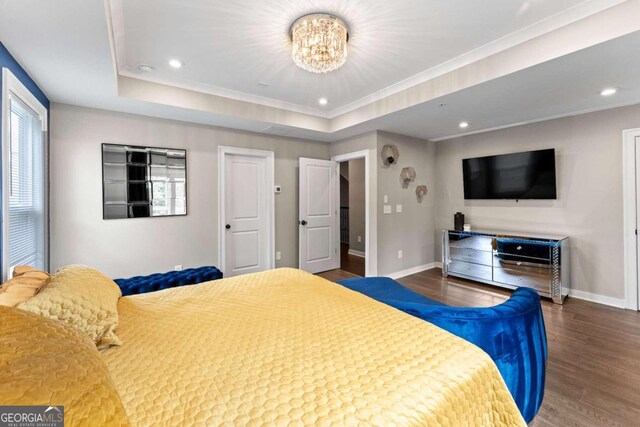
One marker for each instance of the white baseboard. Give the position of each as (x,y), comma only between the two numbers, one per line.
(414,270)
(587,296)
(600,299)
(356,253)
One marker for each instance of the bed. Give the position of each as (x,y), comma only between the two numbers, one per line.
(286,347)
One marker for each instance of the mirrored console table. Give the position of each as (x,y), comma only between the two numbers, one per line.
(509,260)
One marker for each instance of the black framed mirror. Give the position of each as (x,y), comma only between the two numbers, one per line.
(141,182)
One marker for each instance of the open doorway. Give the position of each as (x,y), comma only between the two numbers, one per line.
(352,216)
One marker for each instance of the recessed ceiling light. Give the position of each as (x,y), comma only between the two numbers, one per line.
(608,91)
(146,68)
(175,63)
(323,101)
(463,125)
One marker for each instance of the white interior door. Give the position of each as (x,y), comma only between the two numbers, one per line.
(318,221)
(247,239)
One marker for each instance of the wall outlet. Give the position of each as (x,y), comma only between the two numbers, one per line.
(400,254)
(359,239)
(177,267)
(278,256)
(398,208)
(387,209)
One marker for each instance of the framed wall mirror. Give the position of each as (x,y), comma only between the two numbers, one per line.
(140,182)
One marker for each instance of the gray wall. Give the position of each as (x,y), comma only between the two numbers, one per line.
(356,205)
(412,229)
(589,205)
(589,177)
(145,245)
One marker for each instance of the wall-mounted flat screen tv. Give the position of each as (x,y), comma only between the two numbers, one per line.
(526,175)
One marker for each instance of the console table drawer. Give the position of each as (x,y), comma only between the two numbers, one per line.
(470,269)
(535,251)
(471,255)
(532,277)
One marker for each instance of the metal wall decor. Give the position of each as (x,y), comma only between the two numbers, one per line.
(408,175)
(143,181)
(390,154)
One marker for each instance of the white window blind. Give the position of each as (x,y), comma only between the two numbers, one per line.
(26,228)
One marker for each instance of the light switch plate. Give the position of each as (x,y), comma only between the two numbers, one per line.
(177,267)
(398,208)
(386,199)
(278,256)
(400,254)
(387,209)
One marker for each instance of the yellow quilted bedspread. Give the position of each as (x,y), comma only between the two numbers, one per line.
(285,347)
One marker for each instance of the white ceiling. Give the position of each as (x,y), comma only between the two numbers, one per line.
(236,44)
(565,86)
(228,47)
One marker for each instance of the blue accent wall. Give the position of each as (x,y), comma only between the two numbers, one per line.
(8,61)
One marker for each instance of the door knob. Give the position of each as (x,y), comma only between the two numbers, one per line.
(228,226)
(303,222)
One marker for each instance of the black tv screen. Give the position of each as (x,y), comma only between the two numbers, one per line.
(526,175)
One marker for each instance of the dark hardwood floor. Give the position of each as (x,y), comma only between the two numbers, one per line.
(351,263)
(593,371)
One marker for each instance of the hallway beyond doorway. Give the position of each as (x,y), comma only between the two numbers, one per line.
(352,263)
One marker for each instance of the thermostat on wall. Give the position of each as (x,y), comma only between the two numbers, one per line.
(278,189)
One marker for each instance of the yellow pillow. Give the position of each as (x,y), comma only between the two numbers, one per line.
(82,297)
(26,282)
(43,362)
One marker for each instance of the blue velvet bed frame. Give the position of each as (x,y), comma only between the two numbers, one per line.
(512,333)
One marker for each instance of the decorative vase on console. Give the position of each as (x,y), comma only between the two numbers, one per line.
(458,221)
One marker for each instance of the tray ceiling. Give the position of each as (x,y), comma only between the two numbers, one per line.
(493,64)
(230,48)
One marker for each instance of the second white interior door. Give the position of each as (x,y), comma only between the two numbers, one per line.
(318,213)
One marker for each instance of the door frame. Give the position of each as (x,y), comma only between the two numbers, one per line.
(223,152)
(369,244)
(629,173)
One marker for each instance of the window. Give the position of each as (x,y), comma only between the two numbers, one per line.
(23,167)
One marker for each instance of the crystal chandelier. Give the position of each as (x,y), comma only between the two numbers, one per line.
(319,42)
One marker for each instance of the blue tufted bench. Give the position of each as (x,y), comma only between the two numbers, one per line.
(171,279)
(512,333)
